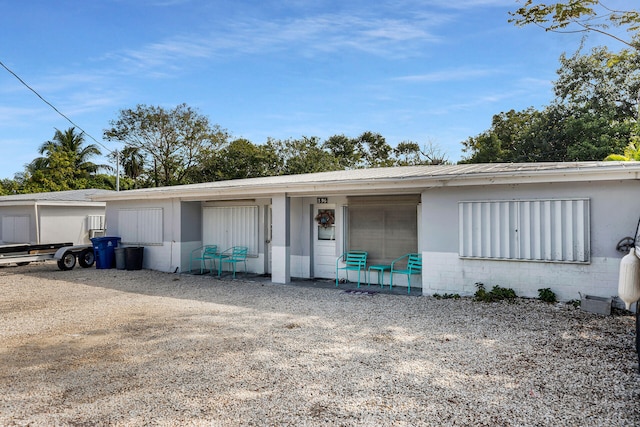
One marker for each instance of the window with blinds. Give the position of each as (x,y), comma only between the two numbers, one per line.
(527,230)
(140,226)
(385,227)
(231,226)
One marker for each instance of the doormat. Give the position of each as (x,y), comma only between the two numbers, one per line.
(359,292)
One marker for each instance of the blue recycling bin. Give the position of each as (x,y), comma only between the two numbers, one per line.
(104,251)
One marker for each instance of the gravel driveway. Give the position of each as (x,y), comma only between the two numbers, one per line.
(111,347)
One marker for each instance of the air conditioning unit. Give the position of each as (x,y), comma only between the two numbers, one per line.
(95,222)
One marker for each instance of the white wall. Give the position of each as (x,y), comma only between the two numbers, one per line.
(614,215)
(66,224)
(58,224)
(162,257)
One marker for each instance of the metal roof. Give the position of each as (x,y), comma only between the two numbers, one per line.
(70,196)
(401,178)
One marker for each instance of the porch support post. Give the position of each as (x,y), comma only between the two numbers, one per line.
(280,239)
(422,233)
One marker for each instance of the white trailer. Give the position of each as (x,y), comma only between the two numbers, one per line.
(66,254)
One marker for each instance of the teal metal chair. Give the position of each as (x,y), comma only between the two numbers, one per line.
(353,261)
(234,256)
(412,266)
(203,254)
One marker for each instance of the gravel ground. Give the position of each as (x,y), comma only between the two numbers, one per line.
(111,347)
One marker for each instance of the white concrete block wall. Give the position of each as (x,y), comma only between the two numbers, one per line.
(300,266)
(445,272)
(157,257)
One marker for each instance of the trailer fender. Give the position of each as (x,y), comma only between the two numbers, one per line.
(75,249)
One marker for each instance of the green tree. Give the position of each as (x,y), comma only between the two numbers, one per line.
(375,150)
(505,141)
(599,93)
(601,81)
(65,164)
(68,148)
(132,161)
(592,115)
(238,159)
(303,155)
(579,16)
(409,153)
(631,153)
(347,151)
(170,140)
(9,186)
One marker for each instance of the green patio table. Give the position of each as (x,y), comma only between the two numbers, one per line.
(380,269)
(219,257)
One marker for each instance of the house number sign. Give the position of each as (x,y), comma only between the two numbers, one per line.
(321,200)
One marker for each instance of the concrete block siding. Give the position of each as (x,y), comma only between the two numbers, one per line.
(446,272)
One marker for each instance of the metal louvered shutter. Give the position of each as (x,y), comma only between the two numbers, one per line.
(529,230)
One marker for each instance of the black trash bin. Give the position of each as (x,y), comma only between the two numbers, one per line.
(133,257)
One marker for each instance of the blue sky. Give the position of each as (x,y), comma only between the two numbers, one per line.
(429,71)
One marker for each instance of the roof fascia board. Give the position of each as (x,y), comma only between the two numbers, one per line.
(367,186)
(51,203)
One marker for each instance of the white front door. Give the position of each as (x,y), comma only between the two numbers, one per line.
(324,237)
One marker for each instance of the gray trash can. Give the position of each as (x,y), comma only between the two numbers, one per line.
(120,258)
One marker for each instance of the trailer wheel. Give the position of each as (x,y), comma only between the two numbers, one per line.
(67,262)
(86,258)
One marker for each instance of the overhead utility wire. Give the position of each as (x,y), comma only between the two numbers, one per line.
(52,106)
(70,121)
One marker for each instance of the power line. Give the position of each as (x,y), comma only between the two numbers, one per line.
(52,106)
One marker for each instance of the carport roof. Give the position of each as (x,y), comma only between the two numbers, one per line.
(401,179)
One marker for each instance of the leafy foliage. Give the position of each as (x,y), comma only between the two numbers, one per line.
(235,160)
(168,142)
(446,296)
(592,116)
(496,294)
(64,165)
(547,295)
(179,146)
(578,16)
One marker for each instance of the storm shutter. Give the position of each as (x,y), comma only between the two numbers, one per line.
(528,230)
(231,226)
(140,226)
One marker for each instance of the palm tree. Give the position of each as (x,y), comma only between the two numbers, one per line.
(69,145)
(132,162)
(631,152)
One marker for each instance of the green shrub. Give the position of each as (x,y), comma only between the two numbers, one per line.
(497,293)
(547,295)
(446,296)
(575,303)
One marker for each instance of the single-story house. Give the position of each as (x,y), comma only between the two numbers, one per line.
(55,217)
(521,226)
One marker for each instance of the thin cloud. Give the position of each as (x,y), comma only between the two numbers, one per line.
(448,75)
(388,37)
(470,4)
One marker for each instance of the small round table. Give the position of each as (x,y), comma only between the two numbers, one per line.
(380,268)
